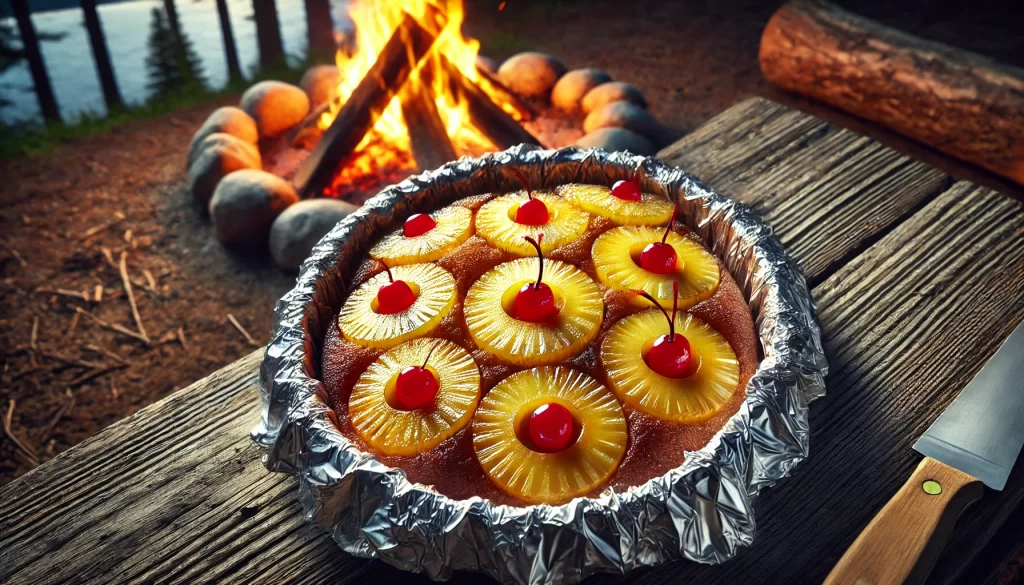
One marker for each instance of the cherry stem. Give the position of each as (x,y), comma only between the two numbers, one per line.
(388,270)
(675,305)
(636,176)
(522,180)
(429,353)
(671,221)
(540,256)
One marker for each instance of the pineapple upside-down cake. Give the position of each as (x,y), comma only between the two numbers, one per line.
(533,347)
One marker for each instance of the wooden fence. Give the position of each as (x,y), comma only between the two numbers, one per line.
(268,34)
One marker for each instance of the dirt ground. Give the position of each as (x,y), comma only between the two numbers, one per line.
(69,216)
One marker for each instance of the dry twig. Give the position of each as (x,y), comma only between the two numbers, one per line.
(242,330)
(181,338)
(97,293)
(63,292)
(14,253)
(33,341)
(149,279)
(72,326)
(118,218)
(131,297)
(94,374)
(33,458)
(112,326)
(64,408)
(107,353)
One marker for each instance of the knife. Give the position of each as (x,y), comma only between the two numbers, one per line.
(974,441)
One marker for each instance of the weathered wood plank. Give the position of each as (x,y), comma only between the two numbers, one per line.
(827,191)
(175,494)
(906,325)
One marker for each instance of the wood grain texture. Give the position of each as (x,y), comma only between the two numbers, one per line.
(827,191)
(175,493)
(961,103)
(900,544)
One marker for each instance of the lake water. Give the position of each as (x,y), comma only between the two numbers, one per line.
(72,70)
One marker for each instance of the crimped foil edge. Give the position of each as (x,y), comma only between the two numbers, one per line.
(700,511)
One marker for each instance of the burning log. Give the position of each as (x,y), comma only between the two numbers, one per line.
(428,137)
(401,54)
(487,116)
(963,104)
(520,110)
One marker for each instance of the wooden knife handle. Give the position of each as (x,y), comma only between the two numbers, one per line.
(902,542)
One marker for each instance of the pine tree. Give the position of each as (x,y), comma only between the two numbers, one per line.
(172,63)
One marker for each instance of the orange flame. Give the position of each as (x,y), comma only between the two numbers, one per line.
(388,142)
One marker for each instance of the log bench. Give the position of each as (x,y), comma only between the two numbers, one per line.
(917,278)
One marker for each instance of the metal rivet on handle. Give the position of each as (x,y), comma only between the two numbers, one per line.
(931,487)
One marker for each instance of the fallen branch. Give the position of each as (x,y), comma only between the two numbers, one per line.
(33,458)
(131,297)
(112,326)
(242,330)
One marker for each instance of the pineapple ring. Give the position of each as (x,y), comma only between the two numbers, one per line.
(495,223)
(533,344)
(597,199)
(393,431)
(454,226)
(692,399)
(616,253)
(549,477)
(435,296)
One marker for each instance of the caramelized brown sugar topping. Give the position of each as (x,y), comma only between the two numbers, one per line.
(655,446)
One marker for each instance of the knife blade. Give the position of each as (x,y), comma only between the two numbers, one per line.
(982,431)
(975,440)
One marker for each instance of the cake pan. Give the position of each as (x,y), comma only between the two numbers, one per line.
(701,511)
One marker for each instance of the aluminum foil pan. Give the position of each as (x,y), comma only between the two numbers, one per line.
(701,511)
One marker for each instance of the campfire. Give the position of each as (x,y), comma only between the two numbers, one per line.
(409,93)
(446,106)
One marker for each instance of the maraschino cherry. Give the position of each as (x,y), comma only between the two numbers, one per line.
(417,225)
(628,190)
(535,301)
(659,257)
(550,428)
(395,296)
(416,386)
(670,355)
(532,211)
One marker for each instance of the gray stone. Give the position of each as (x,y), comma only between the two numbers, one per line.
(487,64)
(228,120)
(276,106)
(320,83)
(245,204)
(624,115)
(218,155)
(613,91)
(570,89)
(612,139)
(531,75)
(300,227)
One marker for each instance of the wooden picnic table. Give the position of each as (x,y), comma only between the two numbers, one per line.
(918,278)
